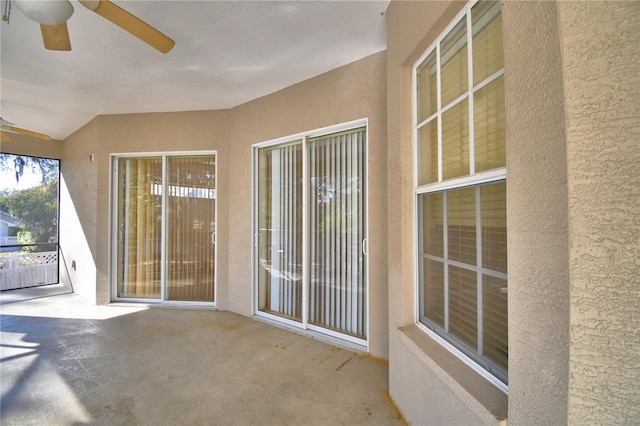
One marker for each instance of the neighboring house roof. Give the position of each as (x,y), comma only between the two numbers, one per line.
(9,220)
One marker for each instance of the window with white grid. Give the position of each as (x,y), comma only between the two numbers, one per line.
(460,188)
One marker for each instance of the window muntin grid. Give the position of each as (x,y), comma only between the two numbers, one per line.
(457,123)
(460,186)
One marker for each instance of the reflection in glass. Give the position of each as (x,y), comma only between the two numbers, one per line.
(487,40)
(140,231)
(453,61)
(489,121)
(455,141)
(337,232)
(462,272)
(461,225)
(495,320)
(433,224)
(191,207)
(428,152)
(494,226)
(433,298)
(427,82)
(280,230)
(463,308)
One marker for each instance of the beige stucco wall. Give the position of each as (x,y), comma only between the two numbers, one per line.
(77,226)
(27,145)
(349,93)
(429,392)
(160,132)
(572,102)
(419,386)
(419,376)
(355,91)
(85,192)
(537,219)
(601,62)
(78,220)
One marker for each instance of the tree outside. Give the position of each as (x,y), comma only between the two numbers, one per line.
(34,208)
(45,168)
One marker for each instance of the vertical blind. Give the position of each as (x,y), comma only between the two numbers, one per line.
(280,224)
(139,227)
(464,271)
(335,220)
(448,135)
(188,242)
(191,226)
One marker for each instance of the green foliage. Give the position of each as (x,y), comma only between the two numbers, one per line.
(3,205)
(46,167)
(26,237)
(37,210)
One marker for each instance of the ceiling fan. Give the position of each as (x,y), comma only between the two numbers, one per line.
(52,15)
(8,127)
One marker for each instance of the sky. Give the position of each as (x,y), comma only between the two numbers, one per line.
(27,180)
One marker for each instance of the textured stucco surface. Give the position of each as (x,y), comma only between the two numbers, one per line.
(158,132)
(78,203)
(433,401)
(354,91)
(601,61)
(348,93)
(537,232)
(73,244)
(422,390)
(572,77)
(538,235)
(25,145)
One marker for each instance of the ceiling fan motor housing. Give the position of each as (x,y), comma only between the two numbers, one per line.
(51,12)
(90,4)
(53,15)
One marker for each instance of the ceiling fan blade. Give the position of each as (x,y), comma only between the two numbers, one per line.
(130,23)
(4,137)
(26,132)
(56,37)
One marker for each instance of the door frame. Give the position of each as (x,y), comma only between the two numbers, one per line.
(304,326)
(113,228)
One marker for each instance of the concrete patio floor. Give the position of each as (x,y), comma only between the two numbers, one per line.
(66,362)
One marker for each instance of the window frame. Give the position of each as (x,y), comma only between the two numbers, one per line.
(15,229)
(162,300)
(305,326)
(473,179)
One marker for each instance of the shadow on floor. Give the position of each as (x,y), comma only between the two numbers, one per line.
(64,361)
(22,294)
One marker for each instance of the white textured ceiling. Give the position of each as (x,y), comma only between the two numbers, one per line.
(226,53)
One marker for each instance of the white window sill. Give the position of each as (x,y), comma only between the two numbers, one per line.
(483,397)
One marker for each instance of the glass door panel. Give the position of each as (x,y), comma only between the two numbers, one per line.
(337,233)
(165,216)
(139,218)
(280,223)
(310,233)
(191,206)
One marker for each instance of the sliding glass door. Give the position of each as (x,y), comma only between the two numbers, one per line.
(165,225)
(191,207)
(139,219)
(280,230)
(310,242)
(337,233)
